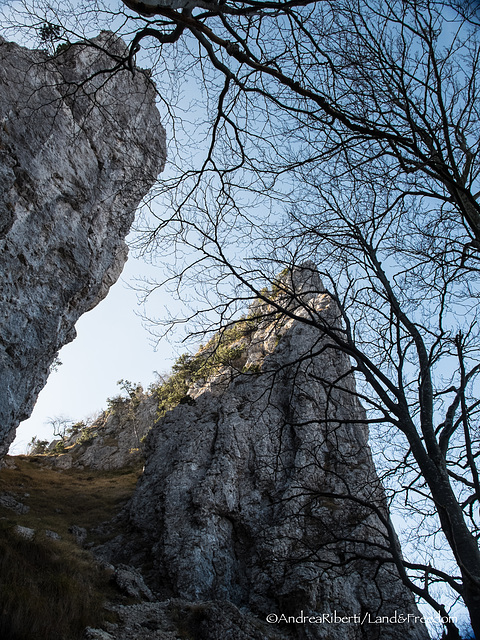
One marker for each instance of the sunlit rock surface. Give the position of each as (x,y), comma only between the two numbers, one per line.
(80,146)
(113,441)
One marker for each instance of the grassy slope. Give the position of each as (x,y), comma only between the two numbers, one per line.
(52,589)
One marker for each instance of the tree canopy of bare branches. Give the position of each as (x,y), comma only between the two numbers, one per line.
(344,133)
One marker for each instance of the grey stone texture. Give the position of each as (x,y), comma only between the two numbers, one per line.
(80,147)
(114,440)
(130,581)
(53,535)
(261,491)
(79,533)
(24,532)
(8,501)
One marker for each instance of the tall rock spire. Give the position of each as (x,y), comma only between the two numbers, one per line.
(262,491)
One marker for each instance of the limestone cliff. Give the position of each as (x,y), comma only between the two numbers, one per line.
(259,490)
(113,441)
(81,143)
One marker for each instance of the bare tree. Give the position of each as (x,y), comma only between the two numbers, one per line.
(361,123)
(346,133)
(391,85)
(416,363)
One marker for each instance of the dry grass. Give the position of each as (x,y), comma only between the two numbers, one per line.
(52,590)
(58,499)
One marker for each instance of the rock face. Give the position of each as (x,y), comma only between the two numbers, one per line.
(80,146)
(260,490)
(114,440)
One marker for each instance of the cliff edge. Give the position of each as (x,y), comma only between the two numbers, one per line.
(81,143)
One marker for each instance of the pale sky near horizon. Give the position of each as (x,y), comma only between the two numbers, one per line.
(112,343)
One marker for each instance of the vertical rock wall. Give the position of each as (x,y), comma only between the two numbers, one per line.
(259,490)
(80,145)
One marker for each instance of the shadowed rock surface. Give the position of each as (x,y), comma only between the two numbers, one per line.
(260,491)
(79,149)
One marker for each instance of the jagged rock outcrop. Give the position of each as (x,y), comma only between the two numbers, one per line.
(260,491)
(80,146)
(113,441)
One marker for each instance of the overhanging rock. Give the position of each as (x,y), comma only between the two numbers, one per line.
(80,147)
